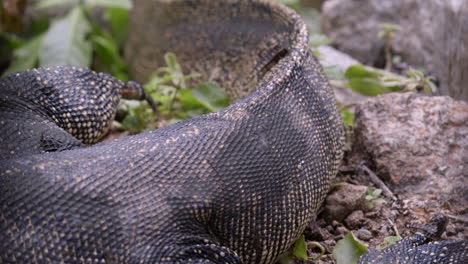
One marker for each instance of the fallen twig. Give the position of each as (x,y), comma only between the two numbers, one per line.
(377,181)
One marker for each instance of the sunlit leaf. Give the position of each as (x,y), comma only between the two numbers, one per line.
(348,117)
(127,4)
(65,42)
(54,3)
(300,248)
(211,96)
(171,61)
(390,240)
(360,71)
(189,101)
(348,250)
(369,87)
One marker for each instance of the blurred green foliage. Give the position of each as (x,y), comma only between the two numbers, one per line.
(75,38)
(92,34)
(177,100)
(373,197)
(372,81)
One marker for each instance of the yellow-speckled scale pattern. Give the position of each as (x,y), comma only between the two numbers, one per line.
(56,107)
(420,248)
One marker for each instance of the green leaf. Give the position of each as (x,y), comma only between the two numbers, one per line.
(369,81)
(390,240)
(360,71)
(26,56)
(430,87)
(140,115)
(368,87)
(119,23)
(376,192)
(348,250)
(373,196)
(106,49)
(300,248)
(189,102)
(348,117)
(171,62)
(127,4)
(65,42)
(211,96)
(54,3)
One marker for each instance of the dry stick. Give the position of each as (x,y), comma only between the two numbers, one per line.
(377,181)
(394,227)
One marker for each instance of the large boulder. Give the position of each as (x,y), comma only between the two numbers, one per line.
(418,144)
(434,35)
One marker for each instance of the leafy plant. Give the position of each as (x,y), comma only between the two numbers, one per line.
(371,81)
(348,250)
(348,116)
(74,38)
(65,41)
(387,33)
(300,251)
(373,197)
(177,101)
(390,240)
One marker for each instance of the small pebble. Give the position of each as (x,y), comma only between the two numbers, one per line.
(342,230)
(355,219)
(364,234)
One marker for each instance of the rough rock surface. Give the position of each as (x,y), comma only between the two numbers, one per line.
(434,35)
(418,144)
(343,200)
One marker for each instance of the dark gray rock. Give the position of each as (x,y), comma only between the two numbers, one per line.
(418,144)
(434,35)
(364,234)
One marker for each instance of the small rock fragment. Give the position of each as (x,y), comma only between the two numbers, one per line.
(342,230)
(355,219)
(364,234)
(343,200)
